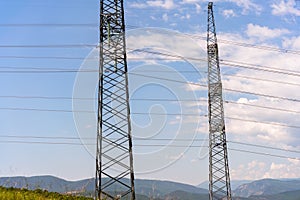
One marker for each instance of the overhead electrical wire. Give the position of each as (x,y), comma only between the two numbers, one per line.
(160,114)
(50,46)
(263,107)
(156,99)
(264,146)
(42,57)
(229,42)
(66,70)
(264,69)
(46,110)
(238,63)
(225,89)
(46,97)
(147,145)
(224,62)
(146,139)
(230,63)
(261,79)
(52,25)
(264,154)
(222,41)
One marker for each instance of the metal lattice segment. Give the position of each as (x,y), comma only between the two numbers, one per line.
(114,161)
(219,180)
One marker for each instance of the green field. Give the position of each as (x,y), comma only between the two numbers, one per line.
(24,194)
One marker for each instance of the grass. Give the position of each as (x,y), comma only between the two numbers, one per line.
(24,194)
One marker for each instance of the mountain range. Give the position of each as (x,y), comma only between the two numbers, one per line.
(265,189)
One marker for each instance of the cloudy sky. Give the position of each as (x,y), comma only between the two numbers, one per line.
(44,44)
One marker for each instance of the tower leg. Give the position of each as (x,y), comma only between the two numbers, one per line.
(114,159)
(219,179)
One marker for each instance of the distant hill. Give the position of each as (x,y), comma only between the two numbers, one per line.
(292,195)
(158,189)
(49,183)
(267,187)
(149,188)
(234,184)
(179,195)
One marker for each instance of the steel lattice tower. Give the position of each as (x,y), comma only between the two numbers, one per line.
(114,159)
(219,179)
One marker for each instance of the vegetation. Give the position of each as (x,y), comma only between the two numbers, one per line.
(24,194)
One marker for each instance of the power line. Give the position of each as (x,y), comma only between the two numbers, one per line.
(52,25)
(46,97)
(233,64)
(43,143)
(66,70)
(230,63)
(242,44)
(262,95)
(160,78)
(265,147)
(42,57)
(163,114)
(225,62)
(45,110)
(281,70)
(264,69)
(226,89)
(262,79)
(236,43)
(46,71)
(151,99)
(263,122)
(51,46)
(45,137)
(145,139)
(264,154)
(174,146)
(264,107)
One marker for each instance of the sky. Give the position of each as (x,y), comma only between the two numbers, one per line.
(47,97)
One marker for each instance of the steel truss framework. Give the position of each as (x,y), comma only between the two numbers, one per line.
(219,179)
(114,159)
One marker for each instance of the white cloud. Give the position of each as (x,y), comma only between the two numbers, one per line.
(292,43)
(228,13)
(247,6)
(166,40)
(189,1)
(138,5)
(165,4)
(258,170)
(194,87)
(252,170)
(165,17)
(187,16)
(285,7)
(266,134)
(153,17)
(194,2)
(198,8)
(263,32)
(283,170)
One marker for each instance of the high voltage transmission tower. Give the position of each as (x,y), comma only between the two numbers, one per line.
(114,159)
(219,179)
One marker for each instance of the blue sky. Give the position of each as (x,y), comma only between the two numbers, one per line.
(176,27)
